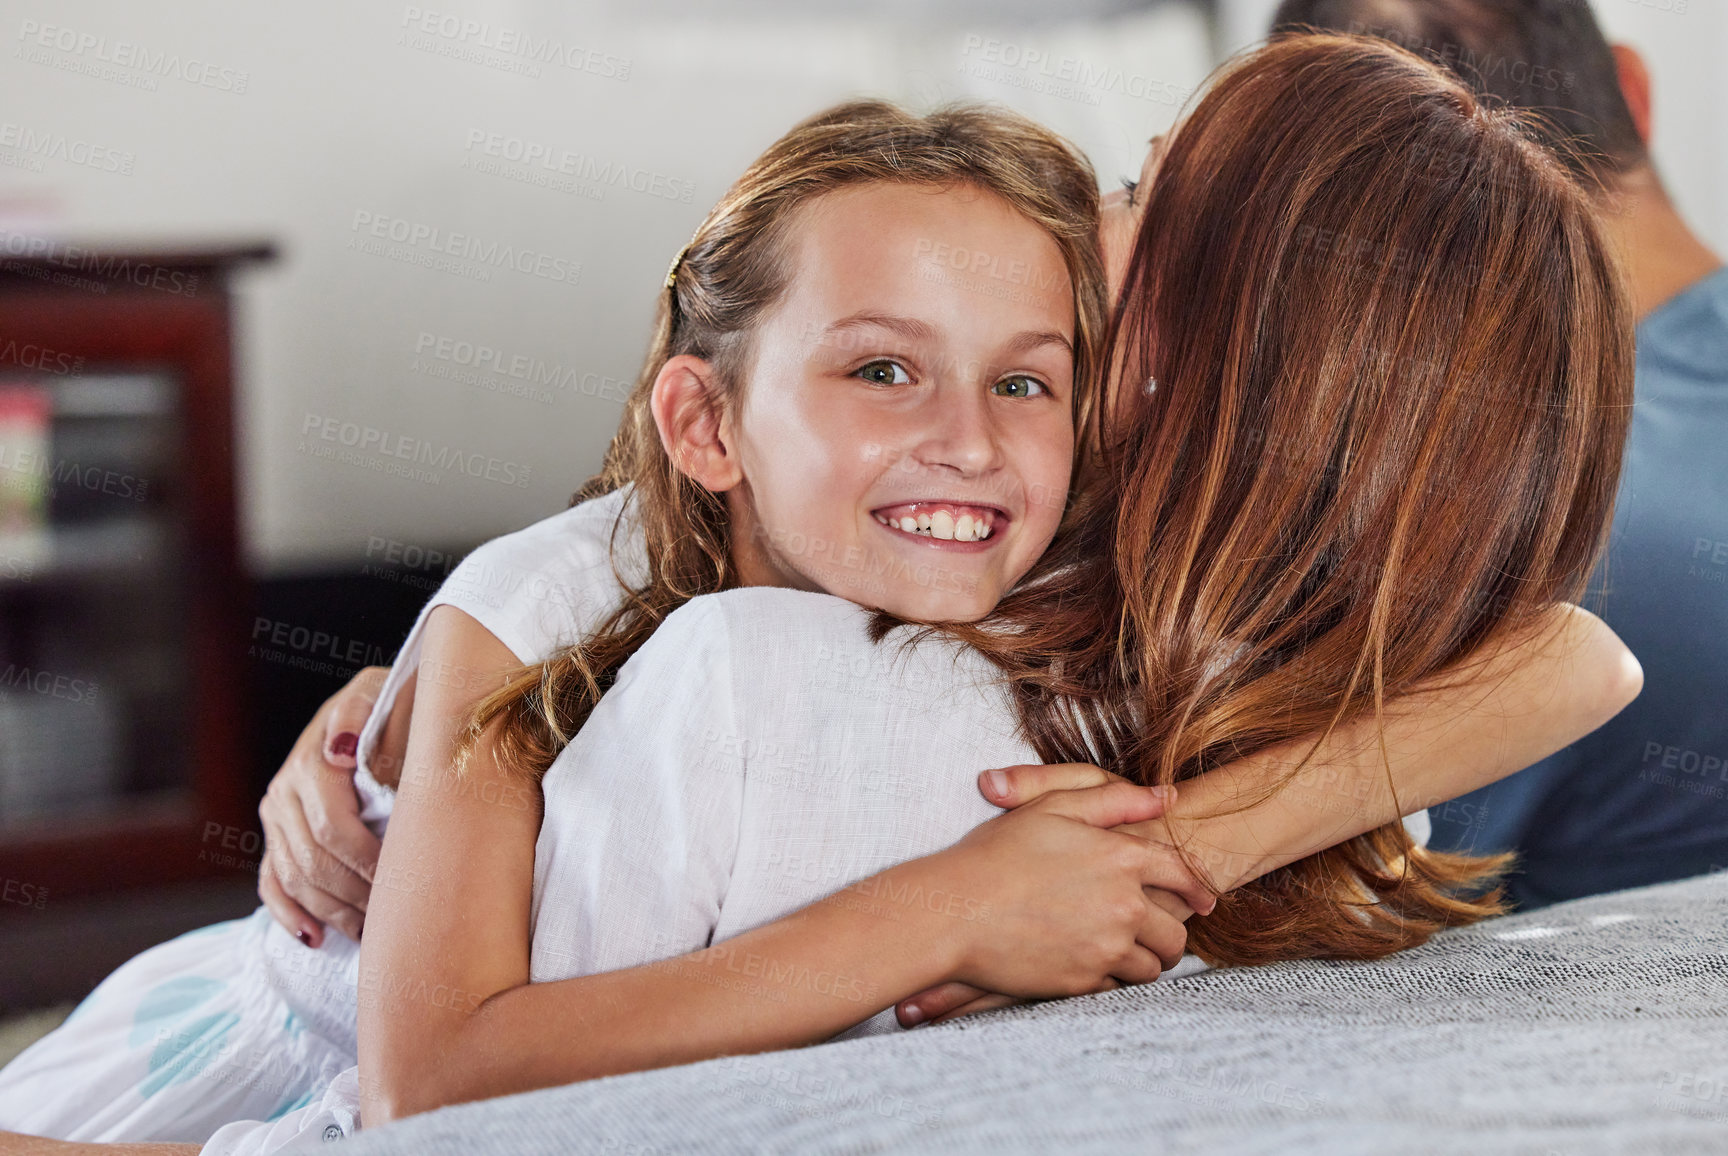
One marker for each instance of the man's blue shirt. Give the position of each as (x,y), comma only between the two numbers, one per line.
(1645,798)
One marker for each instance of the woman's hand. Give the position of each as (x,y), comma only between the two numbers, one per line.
(318,856)
(1055,904)
(1014,787)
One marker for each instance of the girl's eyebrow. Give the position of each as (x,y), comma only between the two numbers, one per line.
(1028,341)
(908,327)
(915,330)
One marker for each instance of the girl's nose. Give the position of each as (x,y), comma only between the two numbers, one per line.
(959,436)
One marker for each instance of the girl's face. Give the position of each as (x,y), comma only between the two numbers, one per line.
(905,433)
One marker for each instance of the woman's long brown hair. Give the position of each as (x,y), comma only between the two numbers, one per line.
(1392,361)
(735,269)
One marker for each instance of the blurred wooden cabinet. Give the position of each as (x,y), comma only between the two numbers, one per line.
(123,754)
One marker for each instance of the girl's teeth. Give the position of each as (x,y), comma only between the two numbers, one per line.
(941,524)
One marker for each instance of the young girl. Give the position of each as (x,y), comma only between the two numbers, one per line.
(921,585)
(1258,595)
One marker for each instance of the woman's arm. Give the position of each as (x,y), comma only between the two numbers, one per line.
(1516,706)
(1513,707)
(447,1013)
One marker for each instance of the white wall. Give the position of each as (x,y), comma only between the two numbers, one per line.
(1685,43)
(346,111)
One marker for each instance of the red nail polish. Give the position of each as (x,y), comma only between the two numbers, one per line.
(303,938)
(345,744)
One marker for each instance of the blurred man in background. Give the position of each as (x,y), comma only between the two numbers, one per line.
(1644,799)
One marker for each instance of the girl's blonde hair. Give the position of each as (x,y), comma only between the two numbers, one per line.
(734,270)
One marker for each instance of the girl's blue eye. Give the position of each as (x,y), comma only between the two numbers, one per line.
(1018,386)
(885,372)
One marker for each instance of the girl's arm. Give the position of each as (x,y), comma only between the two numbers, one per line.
(447,1014)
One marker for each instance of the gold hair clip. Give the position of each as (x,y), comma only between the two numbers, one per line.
(672,269)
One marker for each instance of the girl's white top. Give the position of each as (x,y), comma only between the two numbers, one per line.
(757,754)
(537,590)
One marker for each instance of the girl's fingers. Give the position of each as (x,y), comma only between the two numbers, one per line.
(1015,786)
(987,1002)
(935,1001)
(314,879)
(284,910)
(332,812)
(1163,937)
(1110,805)
(1142,965)
(1166,872)
(348,710)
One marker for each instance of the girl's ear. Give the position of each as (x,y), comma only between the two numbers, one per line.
(687,413)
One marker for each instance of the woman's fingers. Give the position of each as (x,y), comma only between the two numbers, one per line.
(987,1002)
(935,1001)
(289,914)
(1010,787)
(348,710)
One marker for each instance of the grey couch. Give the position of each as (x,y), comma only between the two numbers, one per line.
(1596,1026)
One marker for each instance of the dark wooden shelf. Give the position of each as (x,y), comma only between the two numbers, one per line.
(108,312)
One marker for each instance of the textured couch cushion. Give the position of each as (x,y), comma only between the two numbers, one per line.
(1594,1026)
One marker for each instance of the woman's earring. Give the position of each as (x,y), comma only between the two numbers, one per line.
(1151,385)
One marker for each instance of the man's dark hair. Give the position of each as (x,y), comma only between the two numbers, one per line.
(1545,55)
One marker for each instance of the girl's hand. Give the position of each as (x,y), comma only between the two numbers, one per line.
(1015,787)
(318,856)
(1063,900)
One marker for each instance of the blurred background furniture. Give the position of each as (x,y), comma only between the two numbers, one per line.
(125,746)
